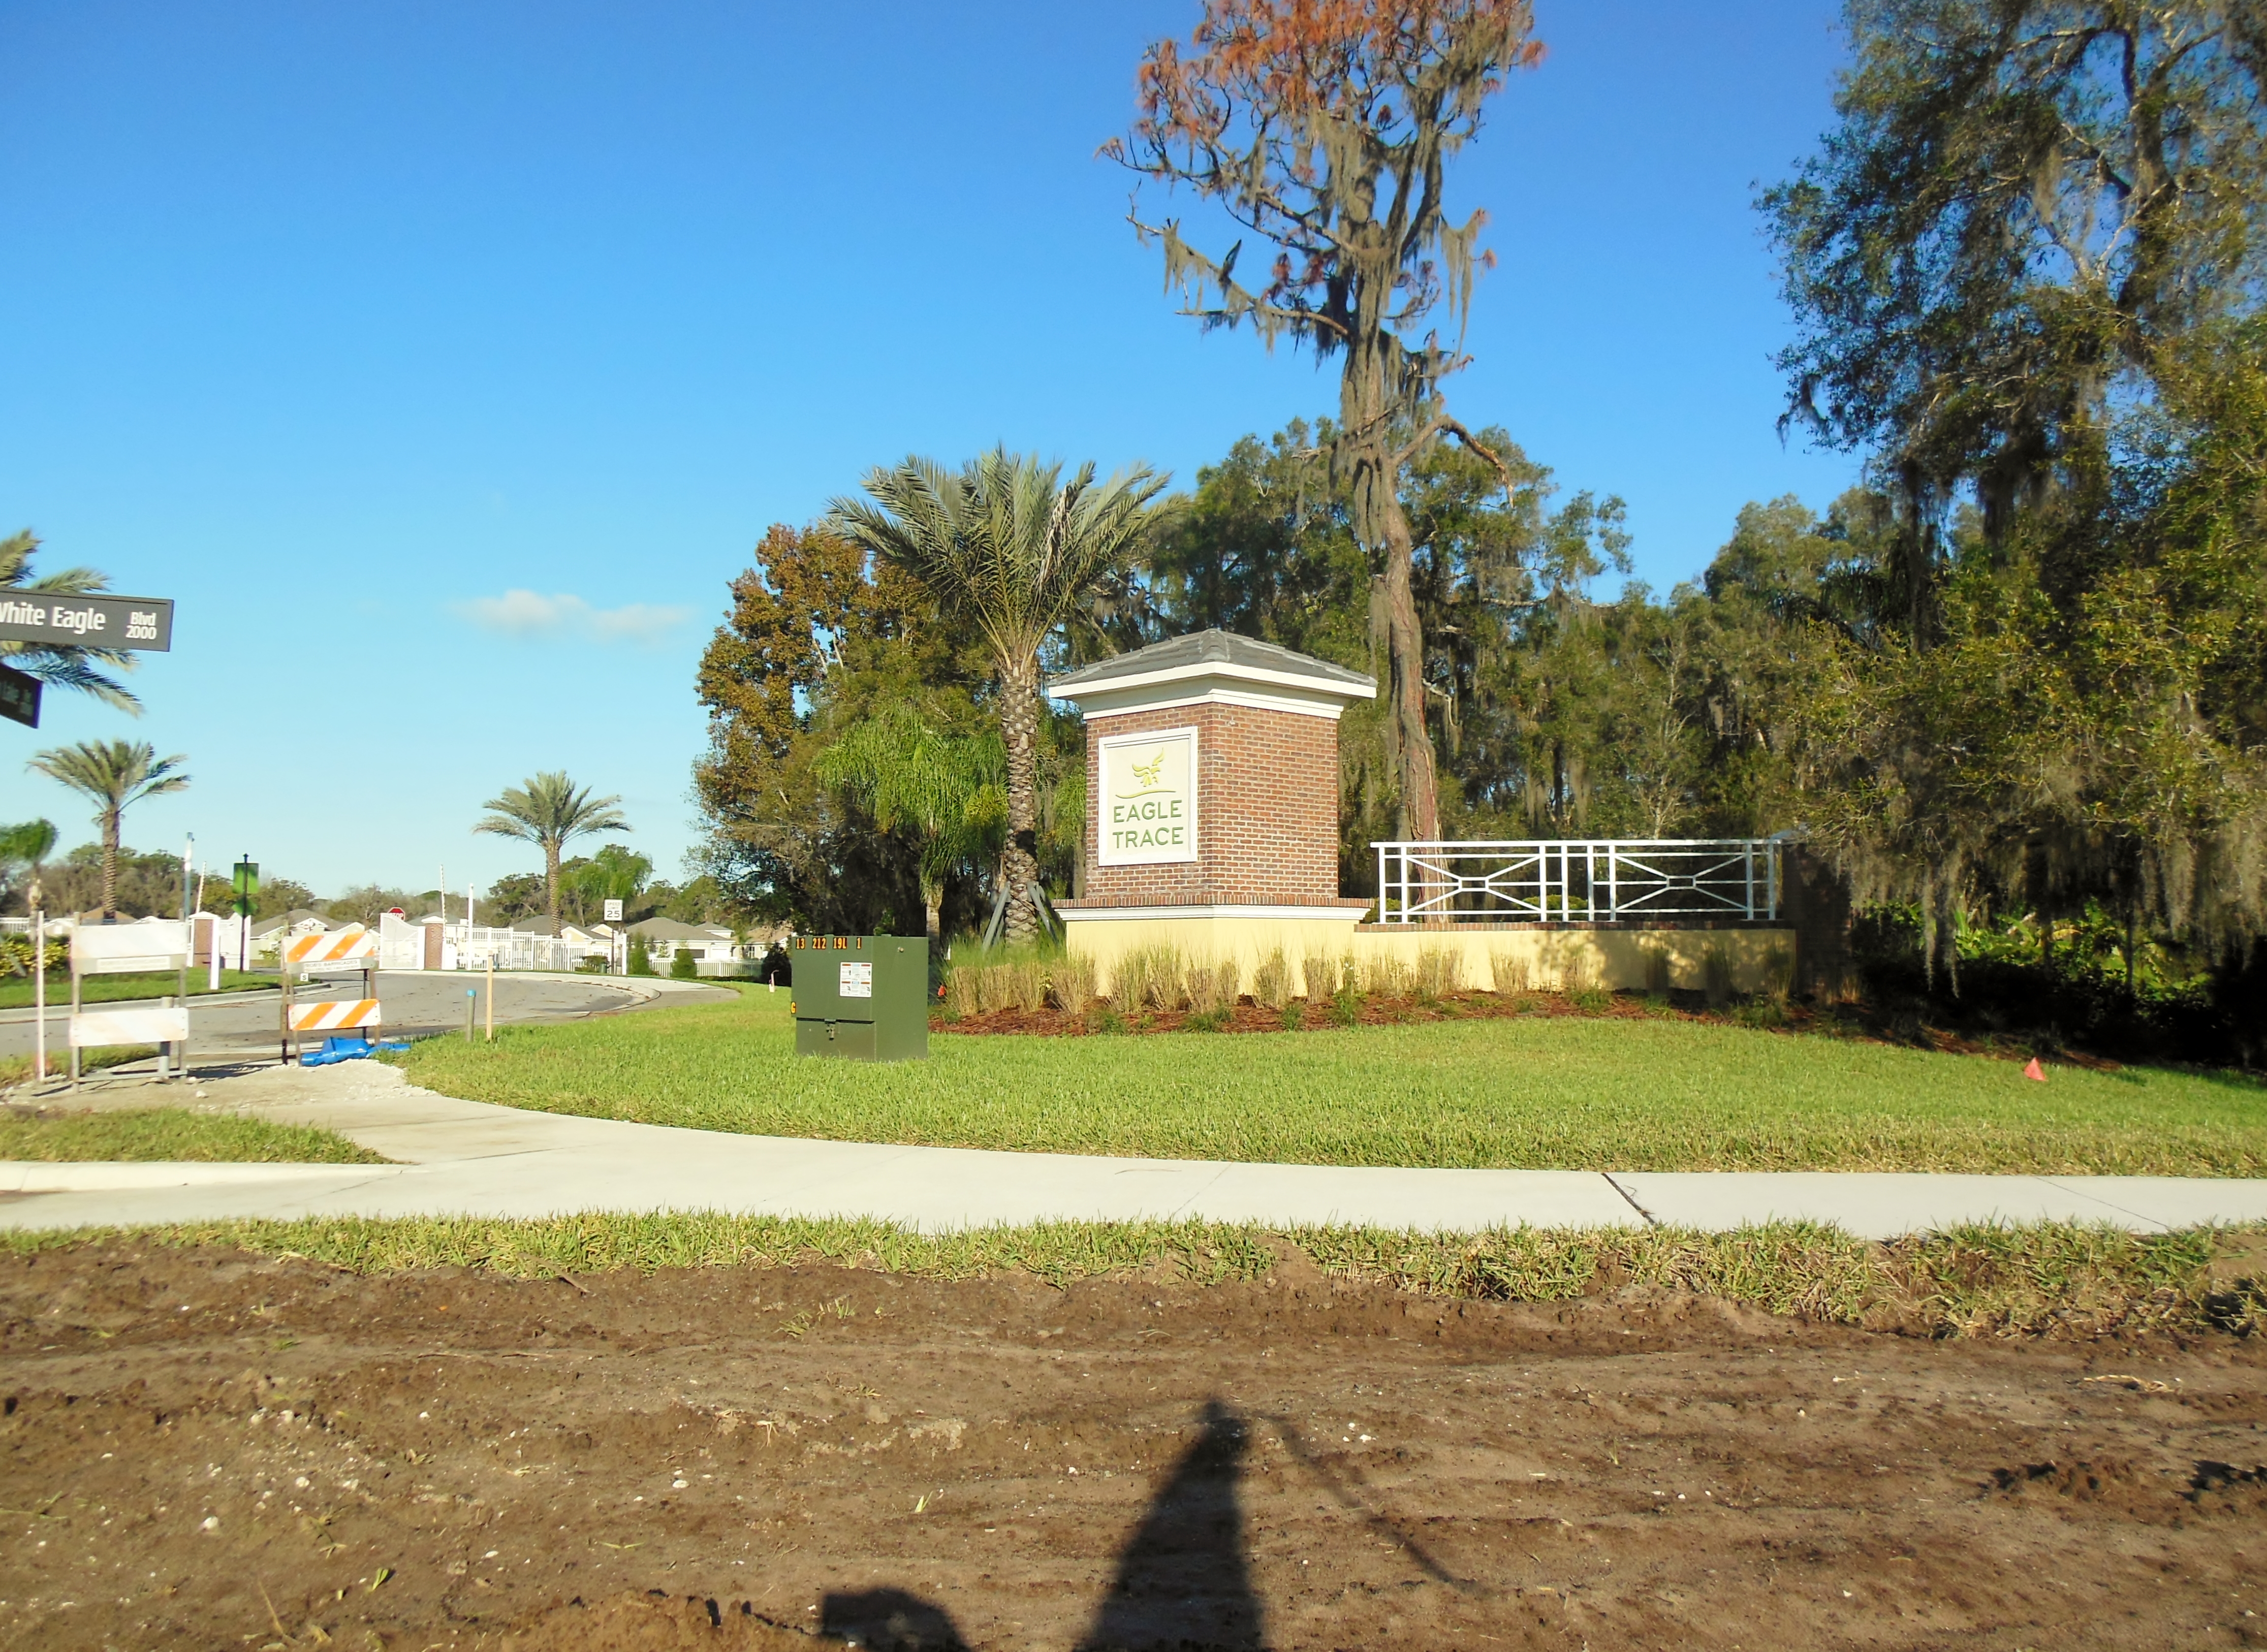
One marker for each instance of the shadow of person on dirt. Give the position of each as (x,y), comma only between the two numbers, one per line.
(890,1620)
(1182,1577)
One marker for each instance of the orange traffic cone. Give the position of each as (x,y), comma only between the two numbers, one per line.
(2034,1071)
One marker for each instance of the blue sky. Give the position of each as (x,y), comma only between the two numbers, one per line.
(444,361)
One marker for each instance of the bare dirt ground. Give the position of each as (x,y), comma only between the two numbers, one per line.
(204,1449)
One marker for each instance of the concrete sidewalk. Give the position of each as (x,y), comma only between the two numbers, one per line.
(468,1158)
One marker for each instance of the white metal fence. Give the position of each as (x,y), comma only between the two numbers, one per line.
(474,946)
(1625,880)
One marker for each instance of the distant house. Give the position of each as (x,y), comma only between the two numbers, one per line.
(591,940)
(266,931)
(665,938)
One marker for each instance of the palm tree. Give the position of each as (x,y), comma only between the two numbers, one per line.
(64,666)
(546,810)
(614,873)
(1007,547)
(942,790)
(28,845)
(115,775)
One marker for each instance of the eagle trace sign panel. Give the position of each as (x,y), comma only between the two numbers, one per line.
(1148,814)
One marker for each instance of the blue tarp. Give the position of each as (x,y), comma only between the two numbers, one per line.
(343,1050)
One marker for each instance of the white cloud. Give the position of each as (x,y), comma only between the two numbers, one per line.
(529,614)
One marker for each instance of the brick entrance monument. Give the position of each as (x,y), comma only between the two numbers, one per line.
(1212,785)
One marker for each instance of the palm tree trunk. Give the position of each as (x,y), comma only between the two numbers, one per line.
(551,879)
(1019,719)
(933,907)
(110,863)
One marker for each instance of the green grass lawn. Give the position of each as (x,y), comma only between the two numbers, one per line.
(1563,1093)
(149,1134)
(16,991)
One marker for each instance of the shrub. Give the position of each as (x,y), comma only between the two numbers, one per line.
(1271,981)
(682,966)
(1070,983)
(16,956)
(1321,975)
(641,960)
(1508,972)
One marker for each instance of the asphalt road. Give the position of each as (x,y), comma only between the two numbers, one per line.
(243,1025)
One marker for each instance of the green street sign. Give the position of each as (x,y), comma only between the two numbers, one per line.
(142,624)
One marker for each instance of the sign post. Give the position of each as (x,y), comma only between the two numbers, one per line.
(247,886)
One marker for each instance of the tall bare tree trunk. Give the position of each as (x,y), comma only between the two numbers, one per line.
(551,880)
(1364,457)
(1019,721)
(1420,786)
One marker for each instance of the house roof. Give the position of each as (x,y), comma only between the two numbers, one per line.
(292,918)
(671,930)
(1214,653)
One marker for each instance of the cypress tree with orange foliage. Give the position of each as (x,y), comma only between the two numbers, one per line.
(1323,127)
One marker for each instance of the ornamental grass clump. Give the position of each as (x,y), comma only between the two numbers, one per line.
(1716,975)
(1070,983)
(1320,974)
(961,999)
(1439,972)
(1271,981)
(1509,973)
(1212,986)
(1150,978)
(1025,984)
(1387,978)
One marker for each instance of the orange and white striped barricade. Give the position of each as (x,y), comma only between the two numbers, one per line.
(330,951)
(328,948)
(338,1015)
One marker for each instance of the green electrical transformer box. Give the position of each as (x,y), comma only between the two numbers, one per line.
(864,997)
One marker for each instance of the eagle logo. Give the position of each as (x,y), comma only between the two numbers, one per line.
(1146,774)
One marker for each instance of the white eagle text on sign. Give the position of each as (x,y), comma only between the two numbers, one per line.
(1148,806)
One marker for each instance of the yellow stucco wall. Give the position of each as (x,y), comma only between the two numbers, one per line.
(1613,959)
